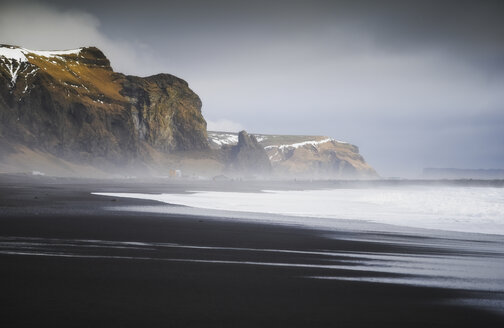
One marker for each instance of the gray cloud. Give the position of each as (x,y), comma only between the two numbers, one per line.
(34,25)
(413,83)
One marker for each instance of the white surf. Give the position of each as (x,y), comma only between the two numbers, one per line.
(461,209)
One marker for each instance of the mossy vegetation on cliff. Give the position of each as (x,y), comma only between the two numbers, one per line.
(74,106)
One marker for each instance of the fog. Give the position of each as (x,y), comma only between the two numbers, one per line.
(413,83)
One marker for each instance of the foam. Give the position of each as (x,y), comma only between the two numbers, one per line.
(478,210)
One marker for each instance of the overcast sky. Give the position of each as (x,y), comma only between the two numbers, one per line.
(413,83)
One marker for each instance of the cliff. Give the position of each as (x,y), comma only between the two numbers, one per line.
(73,106)
(305,156)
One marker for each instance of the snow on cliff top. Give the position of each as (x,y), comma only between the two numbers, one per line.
(223,138)
(301,144)
(19,54)
(228,138)
(12,57)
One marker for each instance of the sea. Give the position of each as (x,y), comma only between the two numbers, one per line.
(447,208)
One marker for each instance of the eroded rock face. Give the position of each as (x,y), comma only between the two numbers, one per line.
(73,105)
(293,156)
(323,158)
(247,156)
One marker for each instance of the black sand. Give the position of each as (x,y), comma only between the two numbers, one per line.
(77,268)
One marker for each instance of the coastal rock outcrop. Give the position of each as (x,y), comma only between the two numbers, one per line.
(304,156)
(247,156)
(72,105)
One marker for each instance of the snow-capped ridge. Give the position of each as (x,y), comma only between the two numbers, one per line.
(304,143)
(13,57)
(229,138)
(19,54)
(221,139)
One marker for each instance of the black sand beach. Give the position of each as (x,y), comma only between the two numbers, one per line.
(66,261)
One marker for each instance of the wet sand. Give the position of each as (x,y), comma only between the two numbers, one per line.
(65,260)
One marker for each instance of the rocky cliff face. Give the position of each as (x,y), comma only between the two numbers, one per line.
(305,156)
(247,156)
(72,105)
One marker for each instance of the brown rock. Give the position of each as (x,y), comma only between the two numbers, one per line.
(74,106)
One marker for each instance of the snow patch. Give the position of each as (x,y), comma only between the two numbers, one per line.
(13,68)
(19,54)
(13,57)
(53,53)
(300,144)
(16,54)
(223,138)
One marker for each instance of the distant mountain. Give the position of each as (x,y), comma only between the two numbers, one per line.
(304,156)
(72,106)
(450,173)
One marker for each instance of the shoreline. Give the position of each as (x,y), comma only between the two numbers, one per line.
(133,269)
